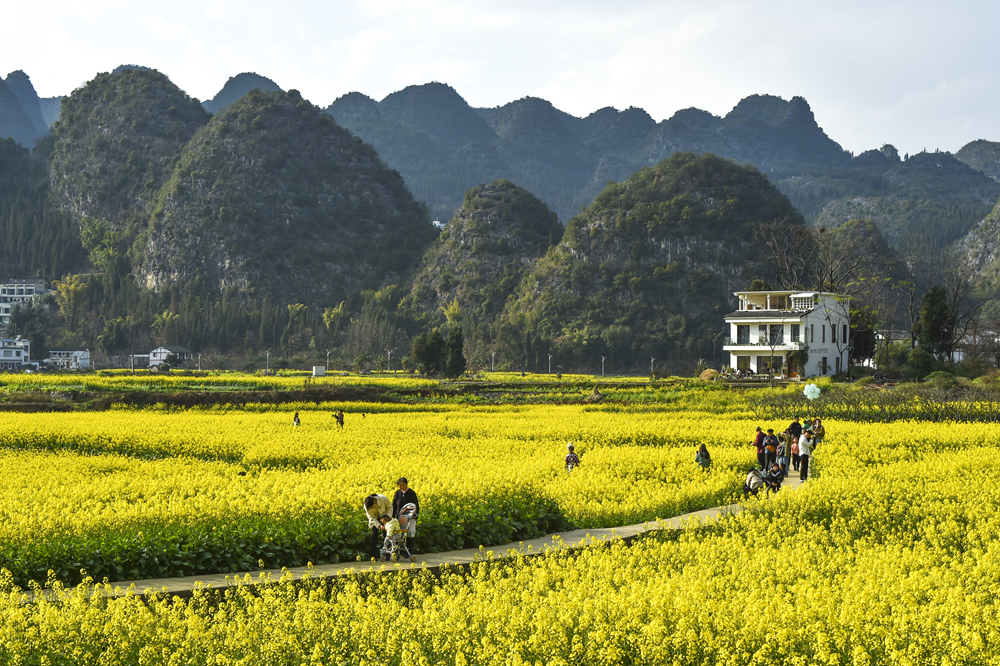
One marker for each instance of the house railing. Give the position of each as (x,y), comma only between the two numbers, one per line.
(742,342)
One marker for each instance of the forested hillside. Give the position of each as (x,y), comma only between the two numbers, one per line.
(647,270)
(481,257)
(274,198)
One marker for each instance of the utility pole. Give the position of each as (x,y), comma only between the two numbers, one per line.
(602,365)
(550,364)
(651,359)
(493,361)
(389,354)
(199,362)
(267,363)
(132,356)
(328,359)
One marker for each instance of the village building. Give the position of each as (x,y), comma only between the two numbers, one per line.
(160,354)
(69,358)
(18,293)
(14,353)
(789,333)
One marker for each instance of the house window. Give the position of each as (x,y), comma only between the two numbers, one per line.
(833,334)
(777,334)
(795,333)
(822,332)
(826,365)
(742,362)
(743,337)
(838,365)
(845,332)
(812,332)
(769,363)
(762,334)
(7,353)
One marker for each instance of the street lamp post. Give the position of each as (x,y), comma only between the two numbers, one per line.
(493,361)
(602,365)
(267,363)
(651,359)
(388,353)
(199,362)
(328,360)
(550,364)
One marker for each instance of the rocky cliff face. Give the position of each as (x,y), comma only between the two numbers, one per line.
(116,144)
(981,248)
(483,253)
(983,156)
(20,85)
(274,198)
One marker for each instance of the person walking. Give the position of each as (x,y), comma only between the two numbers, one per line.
(404,496)
(783,446)
(376,508)
(759,443)
(703,458)
(770,449)
(805,450)
(339,417)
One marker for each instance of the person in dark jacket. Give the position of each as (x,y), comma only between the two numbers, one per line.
(770,449)
(795,428)
(404,496)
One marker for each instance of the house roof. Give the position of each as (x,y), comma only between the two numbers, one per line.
(174,349)
(68,349)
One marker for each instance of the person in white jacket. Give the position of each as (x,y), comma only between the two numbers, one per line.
(805,451)
(376,508)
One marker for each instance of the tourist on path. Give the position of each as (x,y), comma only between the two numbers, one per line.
(703,458)
(795,452)
(770,449)
(783,447)
(805,450)
(404,496)
(795,428)
(376,508)
(819,432)
(759,443)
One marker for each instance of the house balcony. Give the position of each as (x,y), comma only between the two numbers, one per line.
(741,344)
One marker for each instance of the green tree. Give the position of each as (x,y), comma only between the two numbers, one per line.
(454,362)
(934,328)
(428,352)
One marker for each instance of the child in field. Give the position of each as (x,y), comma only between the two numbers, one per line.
(572,460)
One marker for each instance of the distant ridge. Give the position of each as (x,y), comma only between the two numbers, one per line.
(236,87)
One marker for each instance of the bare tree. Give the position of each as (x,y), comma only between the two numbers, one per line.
(958,278)
(914,254)
(787,249)
(853,249)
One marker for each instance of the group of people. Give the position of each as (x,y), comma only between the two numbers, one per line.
(397,519)
(795,445)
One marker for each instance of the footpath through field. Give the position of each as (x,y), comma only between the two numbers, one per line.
(184,587)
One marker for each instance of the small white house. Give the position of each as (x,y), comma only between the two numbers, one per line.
(14,354)
(775,330)
(69,358)
(160,354)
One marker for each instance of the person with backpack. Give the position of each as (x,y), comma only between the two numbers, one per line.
(572,460)
(770,449)
(819,432)
(795,451)
(782,452)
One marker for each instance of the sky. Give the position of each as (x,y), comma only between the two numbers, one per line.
(916,74)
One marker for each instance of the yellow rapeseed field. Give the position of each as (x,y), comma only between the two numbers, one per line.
(887,556)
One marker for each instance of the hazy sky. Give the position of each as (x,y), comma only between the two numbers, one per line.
(915,74)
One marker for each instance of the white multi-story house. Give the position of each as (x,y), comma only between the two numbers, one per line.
(791,333)
(16,293)
(69,358)
(14,354)
(160,354)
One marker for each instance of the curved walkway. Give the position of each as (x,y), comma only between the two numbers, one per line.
(184,587)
